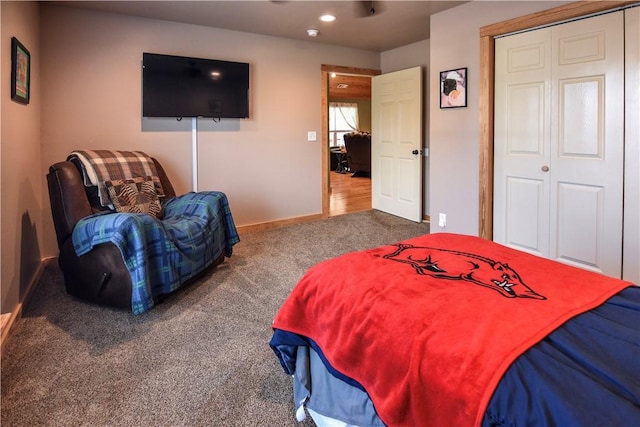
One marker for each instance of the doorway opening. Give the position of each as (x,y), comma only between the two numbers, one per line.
(341,192)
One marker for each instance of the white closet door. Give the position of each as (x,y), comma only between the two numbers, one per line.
(522,141)
(559,142)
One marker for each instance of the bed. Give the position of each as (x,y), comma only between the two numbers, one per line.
(454,330)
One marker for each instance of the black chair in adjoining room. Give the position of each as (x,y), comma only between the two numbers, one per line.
(358,145)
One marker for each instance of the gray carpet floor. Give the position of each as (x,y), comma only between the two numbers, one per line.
(200,358)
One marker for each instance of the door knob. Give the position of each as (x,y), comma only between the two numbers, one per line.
(415,152)
(545,168)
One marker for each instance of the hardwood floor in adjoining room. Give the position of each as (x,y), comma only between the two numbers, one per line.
(349,194)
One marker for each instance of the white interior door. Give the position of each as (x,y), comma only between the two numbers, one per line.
(396,143)
(559,142)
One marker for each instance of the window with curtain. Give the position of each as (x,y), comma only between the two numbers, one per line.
(343,118)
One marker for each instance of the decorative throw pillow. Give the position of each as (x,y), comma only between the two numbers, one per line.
(136,195)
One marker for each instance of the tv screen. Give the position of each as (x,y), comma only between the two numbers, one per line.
(178,86)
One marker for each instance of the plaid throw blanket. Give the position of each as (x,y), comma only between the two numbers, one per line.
(99,166)
(163,254)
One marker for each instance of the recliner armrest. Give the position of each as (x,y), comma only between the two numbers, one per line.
(68,198)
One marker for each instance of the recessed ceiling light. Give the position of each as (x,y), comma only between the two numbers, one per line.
(327,18)
(312,32)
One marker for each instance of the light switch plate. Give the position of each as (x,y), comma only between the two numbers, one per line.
(311,135)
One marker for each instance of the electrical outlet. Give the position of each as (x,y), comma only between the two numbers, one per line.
(442,220)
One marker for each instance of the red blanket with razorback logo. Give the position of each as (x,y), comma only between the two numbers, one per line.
(429,325)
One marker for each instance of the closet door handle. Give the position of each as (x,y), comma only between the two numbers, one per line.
(545,168)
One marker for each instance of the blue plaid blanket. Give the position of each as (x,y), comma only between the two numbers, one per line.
(163,254)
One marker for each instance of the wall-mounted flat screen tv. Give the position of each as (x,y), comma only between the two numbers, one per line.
(178,86)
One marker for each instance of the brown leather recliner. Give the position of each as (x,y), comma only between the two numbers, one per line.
(358,146)
(99,276)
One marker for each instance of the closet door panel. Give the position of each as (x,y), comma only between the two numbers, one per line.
(582,118)
(581,225)
(522,126)
(587,140)
(526,213)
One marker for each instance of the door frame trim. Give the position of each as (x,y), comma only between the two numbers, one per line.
(325,70)
(486,96)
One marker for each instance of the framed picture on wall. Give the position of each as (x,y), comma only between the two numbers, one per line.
(20,72)
(453,88)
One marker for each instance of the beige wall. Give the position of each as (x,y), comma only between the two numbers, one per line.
(92,87)
(454,134)
(22,176)
(364,114)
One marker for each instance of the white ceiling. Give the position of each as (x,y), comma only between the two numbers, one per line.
(395,23)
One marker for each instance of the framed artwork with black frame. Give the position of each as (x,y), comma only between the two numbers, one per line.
(20,72)
(453,88)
